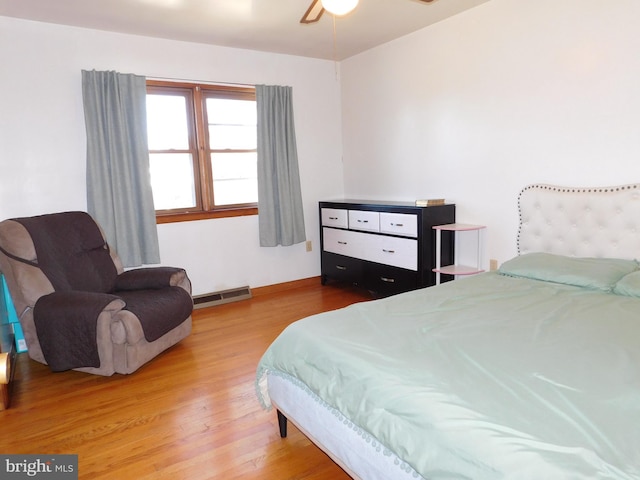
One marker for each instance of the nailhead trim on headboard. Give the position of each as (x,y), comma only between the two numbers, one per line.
(586,222)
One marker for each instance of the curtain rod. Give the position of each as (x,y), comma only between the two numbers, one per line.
(199,81)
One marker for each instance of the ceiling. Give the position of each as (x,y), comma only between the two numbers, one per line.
(267,25)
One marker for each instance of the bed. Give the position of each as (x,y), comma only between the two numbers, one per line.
(528,372)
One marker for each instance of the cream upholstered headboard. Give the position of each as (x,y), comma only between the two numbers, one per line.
(580,222)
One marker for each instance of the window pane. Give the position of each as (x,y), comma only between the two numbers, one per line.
(167,122)
(236,191)
(237,137)
(172,180)
(231,112)
(235,178)
(232,123)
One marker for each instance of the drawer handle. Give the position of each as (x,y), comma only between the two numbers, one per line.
(363,221)
(388,251)
(341,242)
(388,280)
(333,218)
(397,224)
(340,267)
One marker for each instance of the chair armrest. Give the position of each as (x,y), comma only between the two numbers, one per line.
(73,328)
(150,278)
(71,300)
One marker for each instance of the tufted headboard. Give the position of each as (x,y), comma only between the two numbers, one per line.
(580,222)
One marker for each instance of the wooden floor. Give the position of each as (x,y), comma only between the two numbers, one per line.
(191,413)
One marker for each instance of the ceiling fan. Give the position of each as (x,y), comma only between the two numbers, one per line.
(336,7)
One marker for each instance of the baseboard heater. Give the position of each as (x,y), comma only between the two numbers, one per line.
(223,296)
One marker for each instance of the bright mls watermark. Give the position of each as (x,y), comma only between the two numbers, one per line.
(50,467)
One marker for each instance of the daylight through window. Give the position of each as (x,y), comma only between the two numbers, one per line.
(202,150)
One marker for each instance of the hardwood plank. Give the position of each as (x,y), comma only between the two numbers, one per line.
(191,413)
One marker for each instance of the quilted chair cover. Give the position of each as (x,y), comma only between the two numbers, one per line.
(77,306)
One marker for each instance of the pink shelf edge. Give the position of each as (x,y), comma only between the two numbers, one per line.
(459,227)
(457,270)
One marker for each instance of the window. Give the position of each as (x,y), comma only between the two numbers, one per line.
(202,150)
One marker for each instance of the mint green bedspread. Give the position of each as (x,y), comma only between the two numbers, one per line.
(482,378)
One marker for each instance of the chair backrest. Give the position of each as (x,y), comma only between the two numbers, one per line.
(71,251)
(59,251)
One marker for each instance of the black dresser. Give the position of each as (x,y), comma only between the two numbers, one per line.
(385,247)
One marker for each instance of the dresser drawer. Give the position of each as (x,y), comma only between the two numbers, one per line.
(342,242)
(335,217)
(399,252)
(387,280)
(364,220)
(341,268)
(404,224)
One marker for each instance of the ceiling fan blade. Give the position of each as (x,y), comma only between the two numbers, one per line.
(313,13)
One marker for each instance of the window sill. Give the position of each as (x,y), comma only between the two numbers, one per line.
(192,216)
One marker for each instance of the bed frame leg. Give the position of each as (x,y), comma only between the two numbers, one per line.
(282,424)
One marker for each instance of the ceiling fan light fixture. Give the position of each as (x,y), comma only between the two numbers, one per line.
(339,7)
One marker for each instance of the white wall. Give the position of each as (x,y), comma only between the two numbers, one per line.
(472,109)
(509,93)
(42,139)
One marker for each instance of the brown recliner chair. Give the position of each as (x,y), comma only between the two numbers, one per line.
(77,307)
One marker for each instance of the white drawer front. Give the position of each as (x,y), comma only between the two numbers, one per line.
(399,252)
(364,220)
(342,242)
(335,217)
(404,224)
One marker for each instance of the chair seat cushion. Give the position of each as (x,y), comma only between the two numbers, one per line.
(159,310)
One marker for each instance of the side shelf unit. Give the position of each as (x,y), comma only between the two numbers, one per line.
(444,266)
(385,247)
